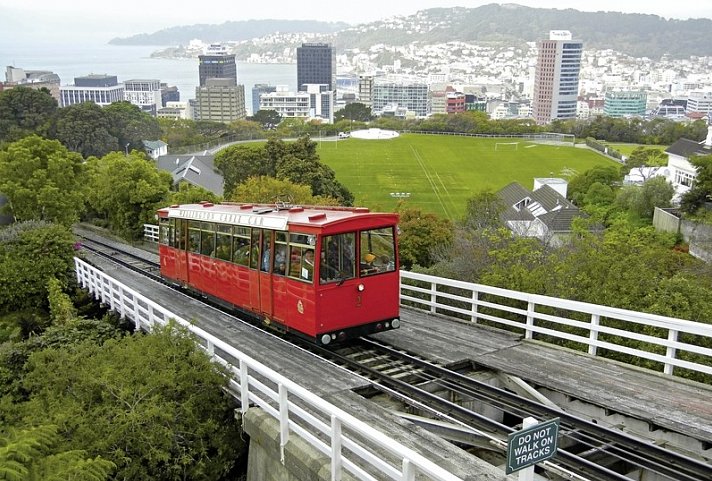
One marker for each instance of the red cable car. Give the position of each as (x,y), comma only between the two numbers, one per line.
(325,273)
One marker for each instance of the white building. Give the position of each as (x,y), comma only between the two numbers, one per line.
(315,103)
(699,102)
(146,94)
(176,111)
(100,89)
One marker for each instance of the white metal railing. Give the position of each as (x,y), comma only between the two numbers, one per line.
(351,444)
(150,232)
(579,322)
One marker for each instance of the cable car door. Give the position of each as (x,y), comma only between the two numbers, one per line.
(265,274)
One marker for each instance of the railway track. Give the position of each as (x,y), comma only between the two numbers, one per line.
(587,450)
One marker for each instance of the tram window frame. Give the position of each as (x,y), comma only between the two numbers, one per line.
(377,259)
(207,238)
(299,245)
(181,235)
(165,231)
(255,249)
(281,246)
(223,242)
(241,253)
(336,252)
(193,237)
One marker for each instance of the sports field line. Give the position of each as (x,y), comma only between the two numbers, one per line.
(429,177)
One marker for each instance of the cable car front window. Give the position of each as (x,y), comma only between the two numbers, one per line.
(377,251)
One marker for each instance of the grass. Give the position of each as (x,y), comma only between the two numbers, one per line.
(442,172)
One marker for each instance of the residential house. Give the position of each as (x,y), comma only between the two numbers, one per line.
(195,169)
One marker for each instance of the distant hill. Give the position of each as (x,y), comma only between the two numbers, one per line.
(634,34)
(239,30)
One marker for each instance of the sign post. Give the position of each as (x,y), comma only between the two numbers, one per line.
(533,444)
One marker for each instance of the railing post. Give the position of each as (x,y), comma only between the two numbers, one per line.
(244,388)
(593,334)
(283,421)
(335,448)
(475,300)
(531,309)
(408,470)
(671,352)
(433,297)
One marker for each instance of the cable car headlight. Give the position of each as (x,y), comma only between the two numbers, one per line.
(361,287)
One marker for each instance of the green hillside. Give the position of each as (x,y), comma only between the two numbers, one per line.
(442,172)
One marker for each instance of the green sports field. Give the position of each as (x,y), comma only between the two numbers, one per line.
(441,172)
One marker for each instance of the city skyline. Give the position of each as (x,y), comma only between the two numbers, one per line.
(42,20)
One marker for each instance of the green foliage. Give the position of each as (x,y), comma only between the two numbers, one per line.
(422,234)
(269,190)
(32,253)
(268,119)
(26,455)
(84,128)
(127,190)
(580,184)
(42,180)
(483,211)
(152,404)
(130,125)
(24,111)
(240,162)
(60,304)
(701,191)
(191,194)
(354,112)
(642,200)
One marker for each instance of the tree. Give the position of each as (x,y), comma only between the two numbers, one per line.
(130,125)
(268,119)
(154,405)
(701,190)
(422,234)
(84,128)
(237,163)
(191,194)
(24,111)
(354,112)
(127,190)
(269,190)
(32,253)
(579,184)
(483,211)
(42,180)
(642,200)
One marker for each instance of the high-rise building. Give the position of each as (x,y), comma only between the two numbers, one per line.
(315,103)
(556,77)
(316,64)
(410,98)
(216,63)
(365,89)
(219,97)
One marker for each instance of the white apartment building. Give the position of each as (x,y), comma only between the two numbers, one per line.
(146,94)
(100,89)
(413,97)
(176,111)
(315,103)
(699,102)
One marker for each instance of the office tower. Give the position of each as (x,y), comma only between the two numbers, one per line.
(556,77)
(216,63)
(400,99)
(316,64)
(219,97)
(625,103)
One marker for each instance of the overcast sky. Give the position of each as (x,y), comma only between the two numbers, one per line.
(46,19)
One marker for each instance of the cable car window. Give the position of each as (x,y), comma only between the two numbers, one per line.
(280,254)
(241,246)
(207,238)
(180,233)
(266,250)
(223,242)
(165,231)
(337,259)
(255,249)
(301,256)
(194,237)
(377,250)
